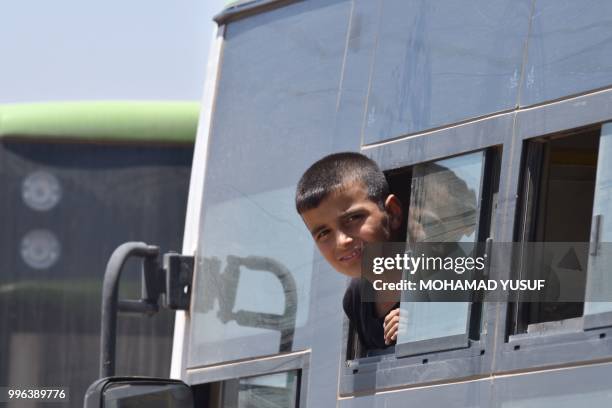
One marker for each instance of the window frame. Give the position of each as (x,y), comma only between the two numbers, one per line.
(281,363)
(366,374)
(567,345)
(537,156)
(233,386)
(490,161)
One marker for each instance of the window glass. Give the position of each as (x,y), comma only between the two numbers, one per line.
(276,390)
(444,207)
(569,49)
(265,391)
(599,284)
(431,54)
(557,168)
(254,264)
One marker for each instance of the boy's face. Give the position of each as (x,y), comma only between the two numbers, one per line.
(346,220)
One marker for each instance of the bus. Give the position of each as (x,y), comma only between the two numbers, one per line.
(77,179)
(513,97)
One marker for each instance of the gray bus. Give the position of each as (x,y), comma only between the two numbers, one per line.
(512,96)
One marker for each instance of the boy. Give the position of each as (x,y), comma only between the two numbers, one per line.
(344,201)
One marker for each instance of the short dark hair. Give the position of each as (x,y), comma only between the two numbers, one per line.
(335,171)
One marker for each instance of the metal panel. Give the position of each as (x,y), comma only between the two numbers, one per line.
(563,115)
(387,372)
(586,386)
(196,187)
(553,348)
(432,345)
(566,387)
(273,364)
(598,320)
(442,143)
(469,394)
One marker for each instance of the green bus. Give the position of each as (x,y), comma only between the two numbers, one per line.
(77,179)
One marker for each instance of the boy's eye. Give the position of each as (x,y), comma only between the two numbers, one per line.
(354,217)
(322,235)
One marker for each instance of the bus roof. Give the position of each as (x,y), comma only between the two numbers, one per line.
(130,121)
(241,8)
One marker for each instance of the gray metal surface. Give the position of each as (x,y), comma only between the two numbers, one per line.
(274,364)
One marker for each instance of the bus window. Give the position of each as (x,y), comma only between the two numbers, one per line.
(555,169)
(445,206)
(257,270)
(264,391)
(558,168)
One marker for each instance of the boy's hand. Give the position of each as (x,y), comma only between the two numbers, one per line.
(391,326)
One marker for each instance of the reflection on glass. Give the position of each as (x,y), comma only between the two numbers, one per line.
(443,208)
(569,50)
(443,205)
(255,257)
(235,302)
(431,54)
(599,279)
(254,282)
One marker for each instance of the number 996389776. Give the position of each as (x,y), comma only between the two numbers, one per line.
(55,394)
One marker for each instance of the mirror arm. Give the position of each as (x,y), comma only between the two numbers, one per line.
(110,292)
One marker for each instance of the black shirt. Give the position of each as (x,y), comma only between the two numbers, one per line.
(363,315)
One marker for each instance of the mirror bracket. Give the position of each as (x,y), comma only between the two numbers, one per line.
(172,284)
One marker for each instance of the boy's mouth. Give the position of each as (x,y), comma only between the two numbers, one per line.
(354,253)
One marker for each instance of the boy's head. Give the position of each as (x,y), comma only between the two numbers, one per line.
(344,201)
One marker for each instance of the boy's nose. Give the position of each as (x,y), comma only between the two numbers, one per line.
(343,240)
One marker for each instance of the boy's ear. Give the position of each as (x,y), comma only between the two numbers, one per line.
(394,209)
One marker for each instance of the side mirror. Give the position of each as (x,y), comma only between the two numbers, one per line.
(133,392)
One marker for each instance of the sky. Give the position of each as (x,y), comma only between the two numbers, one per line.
(73,50)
